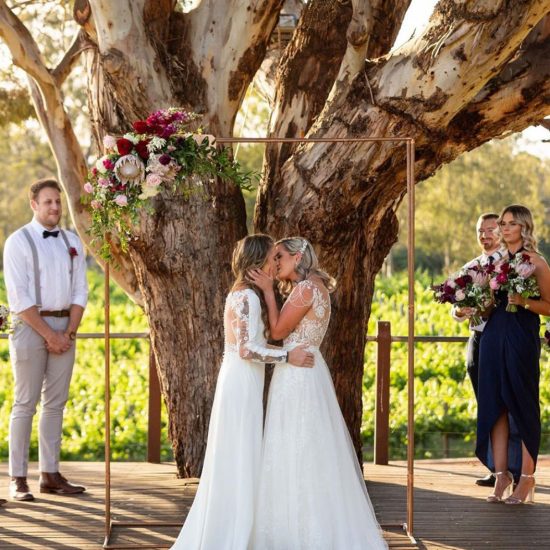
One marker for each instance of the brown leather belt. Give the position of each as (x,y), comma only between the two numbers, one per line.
(61,313)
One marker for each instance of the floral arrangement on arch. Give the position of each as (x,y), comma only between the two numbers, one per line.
(515,276)
(160,154)
(469,287)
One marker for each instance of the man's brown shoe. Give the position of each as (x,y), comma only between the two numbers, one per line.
(56,483)
(19,489)
(3,501)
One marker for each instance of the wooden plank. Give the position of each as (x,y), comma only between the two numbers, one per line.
(450,510)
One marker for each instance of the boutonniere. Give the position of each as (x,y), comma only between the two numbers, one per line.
(73,252)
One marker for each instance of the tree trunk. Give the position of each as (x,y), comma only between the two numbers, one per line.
(182,260)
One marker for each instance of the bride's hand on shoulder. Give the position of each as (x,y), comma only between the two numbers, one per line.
(261,279)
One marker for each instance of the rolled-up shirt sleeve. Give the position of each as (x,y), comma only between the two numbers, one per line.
(80,282)
(18,274)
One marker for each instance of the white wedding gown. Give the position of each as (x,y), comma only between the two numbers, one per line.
(312,495)
(221,516)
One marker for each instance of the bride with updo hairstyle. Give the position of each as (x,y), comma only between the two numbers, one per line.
(312,494)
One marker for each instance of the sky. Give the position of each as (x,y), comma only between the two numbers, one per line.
(415,21)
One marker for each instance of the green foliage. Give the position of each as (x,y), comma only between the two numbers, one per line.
(84,417)
(445,403)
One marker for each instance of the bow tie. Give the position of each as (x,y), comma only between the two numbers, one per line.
(47,234)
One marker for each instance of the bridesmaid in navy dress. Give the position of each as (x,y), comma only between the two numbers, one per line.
(509,369)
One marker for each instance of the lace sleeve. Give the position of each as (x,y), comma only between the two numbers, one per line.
(246,323)
(302,294)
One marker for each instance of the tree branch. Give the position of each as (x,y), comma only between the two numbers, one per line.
(128,57)
(71,57)
(515,99)
(453,59)
(227,50)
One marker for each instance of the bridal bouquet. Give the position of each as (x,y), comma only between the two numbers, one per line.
(161,153)
(469,287)
(4,318)
(515,276)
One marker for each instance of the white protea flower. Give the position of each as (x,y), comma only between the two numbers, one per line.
(129,169)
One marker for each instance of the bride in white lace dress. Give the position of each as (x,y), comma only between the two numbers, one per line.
(221,516)
(312,494)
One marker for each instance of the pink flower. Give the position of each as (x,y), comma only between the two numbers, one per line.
(103,182)
(109,142)
(525,270)
(121,200)
(460,295)
(95,204)
(88,187)
(479,278)
(493,284)
(153,180)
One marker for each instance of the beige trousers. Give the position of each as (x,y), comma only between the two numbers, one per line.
(39,376)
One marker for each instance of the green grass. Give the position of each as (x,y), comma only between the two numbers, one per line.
(445,404)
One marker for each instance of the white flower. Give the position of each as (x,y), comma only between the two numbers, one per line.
(131,137)
(100,166)
(129,169)
(155,144)
(109,142)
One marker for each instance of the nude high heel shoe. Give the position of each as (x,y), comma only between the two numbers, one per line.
(530,498)
(494,498)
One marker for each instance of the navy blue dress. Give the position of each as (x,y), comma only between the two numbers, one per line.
(509,374)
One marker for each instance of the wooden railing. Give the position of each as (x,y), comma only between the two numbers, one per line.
(383,339)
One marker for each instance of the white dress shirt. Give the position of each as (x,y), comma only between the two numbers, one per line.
(483,259)
(54,262)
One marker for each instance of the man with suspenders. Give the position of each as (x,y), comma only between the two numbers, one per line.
(45,275)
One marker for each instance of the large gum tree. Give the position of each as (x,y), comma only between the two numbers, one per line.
(479,70)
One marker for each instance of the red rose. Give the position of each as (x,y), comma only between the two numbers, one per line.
(141,149)
(505,267)
(525,257)
(460,282)
(124,146)
(165,159)
(140,126)
(489,268)
(502,278)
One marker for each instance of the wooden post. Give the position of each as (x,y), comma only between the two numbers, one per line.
(381,431)
(153,421)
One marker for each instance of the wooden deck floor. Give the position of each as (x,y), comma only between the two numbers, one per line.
(450,511)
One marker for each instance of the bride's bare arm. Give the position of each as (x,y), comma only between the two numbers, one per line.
(282,323)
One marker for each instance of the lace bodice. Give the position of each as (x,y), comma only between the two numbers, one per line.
(244,329)
(313,326)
